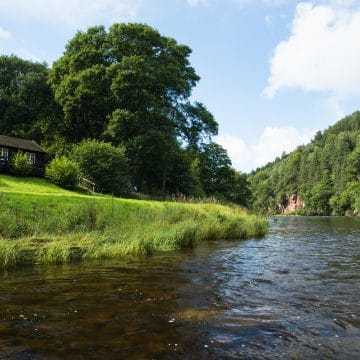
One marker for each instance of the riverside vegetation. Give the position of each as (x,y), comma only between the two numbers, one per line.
(118,104)
(325,174)
(42,223)
(116,109)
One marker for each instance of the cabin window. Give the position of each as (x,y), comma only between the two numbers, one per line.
(4,153)
(31,157)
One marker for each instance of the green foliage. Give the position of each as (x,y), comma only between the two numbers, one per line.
(198,124)
(320,194)
(215,170)
(216,178)
(131,86)
(56,146)
(195,169)
(63,172)
(325,174)
(128,86)
(240,192)
(262,192)
(103,164)
(27,103)
(20,164)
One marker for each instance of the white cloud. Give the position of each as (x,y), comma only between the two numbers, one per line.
(28,55)
(72,13)
(4,34)
(272,142)
(238,151)
(322,52)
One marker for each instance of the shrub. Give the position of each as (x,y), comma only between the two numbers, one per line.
(20,164)
(63,172)
(103,164)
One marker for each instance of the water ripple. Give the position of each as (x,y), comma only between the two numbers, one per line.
(292,295)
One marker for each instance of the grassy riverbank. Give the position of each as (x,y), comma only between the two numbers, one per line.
(41,223)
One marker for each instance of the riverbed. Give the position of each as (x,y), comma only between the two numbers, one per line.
(294,294)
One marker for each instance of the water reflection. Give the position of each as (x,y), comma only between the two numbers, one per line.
(294,294)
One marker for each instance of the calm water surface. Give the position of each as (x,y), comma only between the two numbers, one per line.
(293,295)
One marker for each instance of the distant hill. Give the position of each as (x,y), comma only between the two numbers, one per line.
(321,178)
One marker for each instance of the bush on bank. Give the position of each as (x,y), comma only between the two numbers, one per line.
(63,172)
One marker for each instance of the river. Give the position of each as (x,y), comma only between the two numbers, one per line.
(292,295)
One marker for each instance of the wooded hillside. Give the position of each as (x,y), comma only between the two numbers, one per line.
(323,176)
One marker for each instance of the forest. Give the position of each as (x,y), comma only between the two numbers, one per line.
(115,108)
(324,175)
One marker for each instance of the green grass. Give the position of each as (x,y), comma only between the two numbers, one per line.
(42,223)
(31,185)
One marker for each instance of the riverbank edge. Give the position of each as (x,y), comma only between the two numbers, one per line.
(304,214)
(43,228)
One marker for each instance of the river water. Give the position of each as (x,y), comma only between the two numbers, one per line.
(292,295)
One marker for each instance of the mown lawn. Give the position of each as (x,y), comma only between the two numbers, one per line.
(32,185)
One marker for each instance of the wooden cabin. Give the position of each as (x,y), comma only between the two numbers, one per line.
(9,146)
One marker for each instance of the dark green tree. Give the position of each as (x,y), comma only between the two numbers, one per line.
(131,86)
(240,192)
(103,164)
(319,201)
(196,124)
(27,105)
(263,193)
(216,174)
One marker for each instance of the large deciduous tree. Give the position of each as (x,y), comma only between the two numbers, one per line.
(131,86)
(26,100)
(216,173)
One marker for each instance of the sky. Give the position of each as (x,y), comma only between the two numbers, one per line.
(273,72)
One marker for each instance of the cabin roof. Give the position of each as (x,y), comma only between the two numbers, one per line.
(20,143)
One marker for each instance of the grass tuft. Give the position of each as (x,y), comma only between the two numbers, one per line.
(46,224)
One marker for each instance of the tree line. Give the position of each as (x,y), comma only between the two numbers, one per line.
(325,174)
(117,103)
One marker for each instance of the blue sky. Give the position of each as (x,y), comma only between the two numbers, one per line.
(272,71)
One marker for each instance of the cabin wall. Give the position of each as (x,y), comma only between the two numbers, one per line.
(38,168)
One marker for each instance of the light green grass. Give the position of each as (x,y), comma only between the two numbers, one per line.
(32,185)
(42,223)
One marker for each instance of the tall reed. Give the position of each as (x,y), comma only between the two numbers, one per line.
(53,229)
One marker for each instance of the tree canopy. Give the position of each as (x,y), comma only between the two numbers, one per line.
(118,102)
(131,86)
(325,174)
(26,100)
